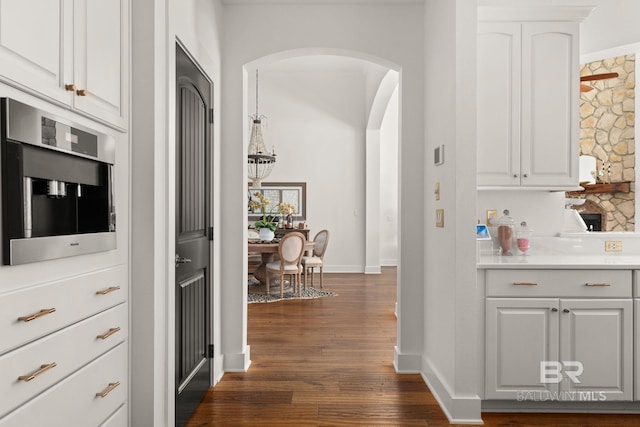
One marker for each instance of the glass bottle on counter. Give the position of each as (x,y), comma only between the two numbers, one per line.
(523,238)
(505,233)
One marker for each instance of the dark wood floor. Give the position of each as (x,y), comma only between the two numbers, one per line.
(328,362)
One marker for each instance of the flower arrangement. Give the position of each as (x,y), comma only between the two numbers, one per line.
(286,208)
(259,201)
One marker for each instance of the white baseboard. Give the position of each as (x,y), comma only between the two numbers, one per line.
(406,363)
(459,410)
(343,268)
(372,269)
(238,362)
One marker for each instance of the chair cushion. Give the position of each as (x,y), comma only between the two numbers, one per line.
(275,266)
(311,261)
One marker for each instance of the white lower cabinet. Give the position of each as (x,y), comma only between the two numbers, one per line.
(559,348)
(63,351)
(87,398)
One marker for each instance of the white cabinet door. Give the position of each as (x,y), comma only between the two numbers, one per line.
(598,334)
(71,51)
(521,333)
(36,43)
(550,100)
(527,104)
(498,113)
(101,59)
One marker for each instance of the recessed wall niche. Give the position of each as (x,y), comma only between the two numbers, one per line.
(607,132)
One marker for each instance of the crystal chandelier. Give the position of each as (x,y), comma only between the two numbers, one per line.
(260,163)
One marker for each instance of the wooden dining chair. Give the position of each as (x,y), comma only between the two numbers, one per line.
(321,241)
(290,251)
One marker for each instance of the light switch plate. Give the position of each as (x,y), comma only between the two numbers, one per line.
(440,218)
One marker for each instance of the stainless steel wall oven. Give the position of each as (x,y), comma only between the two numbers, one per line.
(56,181)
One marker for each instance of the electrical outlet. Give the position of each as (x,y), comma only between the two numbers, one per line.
(613,246)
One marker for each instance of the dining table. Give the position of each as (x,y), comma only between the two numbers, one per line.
(267,251)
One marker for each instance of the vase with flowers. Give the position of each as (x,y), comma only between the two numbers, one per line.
(288,210)
(268,223)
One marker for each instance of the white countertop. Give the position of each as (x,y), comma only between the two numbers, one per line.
(559,261)
(570,251)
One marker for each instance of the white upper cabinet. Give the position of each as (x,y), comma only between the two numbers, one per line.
(528,99)
(71,51)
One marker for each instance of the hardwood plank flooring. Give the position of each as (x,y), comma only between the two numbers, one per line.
(328,362)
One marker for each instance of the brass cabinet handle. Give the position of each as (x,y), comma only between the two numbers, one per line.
(566,310)
(70,88)
(108,290)
(108,390)
(110,332)
(554,309)
(525,283)
(33,316)
(597,284)
(42,370)
(81,92)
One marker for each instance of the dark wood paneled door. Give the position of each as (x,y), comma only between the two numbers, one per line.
(193,235)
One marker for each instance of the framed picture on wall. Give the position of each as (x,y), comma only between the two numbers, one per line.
(288,192)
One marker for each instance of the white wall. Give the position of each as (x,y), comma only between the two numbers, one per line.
(389,183)
(155,26)
(388,35)
(316,121)
(450,355)
(612,23)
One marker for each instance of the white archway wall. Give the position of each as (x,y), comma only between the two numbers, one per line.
(392,36)
(389,183)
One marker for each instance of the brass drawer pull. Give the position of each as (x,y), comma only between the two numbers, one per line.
(110,332)
(42,370)
(108,390)
(70,88)
(81,92)
(525,283)
(34,316)
(108,290)
(597,284)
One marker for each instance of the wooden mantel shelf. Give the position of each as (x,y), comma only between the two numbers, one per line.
(613,187)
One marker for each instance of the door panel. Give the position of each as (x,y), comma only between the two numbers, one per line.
(597,333)
(193,273)
(521,333)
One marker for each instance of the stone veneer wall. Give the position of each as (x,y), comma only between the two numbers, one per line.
(607,132)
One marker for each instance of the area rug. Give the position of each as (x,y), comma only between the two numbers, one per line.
(258,292)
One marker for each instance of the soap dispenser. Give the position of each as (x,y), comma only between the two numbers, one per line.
(505,233)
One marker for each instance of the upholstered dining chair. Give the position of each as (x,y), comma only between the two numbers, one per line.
(290,251)
(321,240)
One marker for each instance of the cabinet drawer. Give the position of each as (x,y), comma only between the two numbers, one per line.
(70,349)
(119,419)
(559,283)
(73,299)
(75,401)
